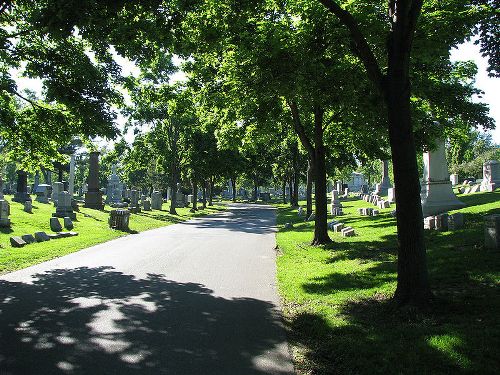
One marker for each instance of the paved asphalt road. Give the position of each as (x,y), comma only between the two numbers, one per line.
(193,298)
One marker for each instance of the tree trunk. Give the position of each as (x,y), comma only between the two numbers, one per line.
(255,189)
(310,176)
(233,184)
(290,190)
(321,212)
(204,192)
(413,282)
(195,196)
(295,176)
(284,191)
(173,188)
(211,192)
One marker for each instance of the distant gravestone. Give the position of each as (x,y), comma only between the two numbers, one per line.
(491,175)
(42,193)
(455,221)
(28,207)
(391,195)
(28,238)
(55,225)
(16,241)
(64,206)
(454,179)
(4,213)
(115,188)
(119,219)
(475,188)
(41,237)
(156,200)
(21,194)
(57,187)
(146,204)
(93,196)
(134,201)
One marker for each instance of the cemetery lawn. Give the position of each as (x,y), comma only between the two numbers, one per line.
(336,299)
(92,229)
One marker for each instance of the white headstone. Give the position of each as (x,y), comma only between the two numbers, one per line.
(437,193)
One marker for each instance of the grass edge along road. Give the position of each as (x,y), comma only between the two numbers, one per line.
(91,225)
(336,298)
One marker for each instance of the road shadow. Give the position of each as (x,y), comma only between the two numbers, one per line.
(100,321)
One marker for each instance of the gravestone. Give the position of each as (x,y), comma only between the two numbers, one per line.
(338,227)
(21,194)
(134,201)
(64,207)
(115,188)
(180,198)
(455,221)
(55,225)
(68,223)
(335,205)
(93,197)
(4,213)
(491,175)
(42,193)
(57,187)
(391,195)
(119,219)
(37,181)
(385,184)
(28,207)
(146,204)
(71,182)
(492,232)
(156,200)
(16,241)
(28,238)
(437,194)
(454,179)
(41,237)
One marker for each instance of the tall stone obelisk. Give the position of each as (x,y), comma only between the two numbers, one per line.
(93,197)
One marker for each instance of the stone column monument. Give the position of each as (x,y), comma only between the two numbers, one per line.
(93,197)
(437,193)
(385,184)
(21,194)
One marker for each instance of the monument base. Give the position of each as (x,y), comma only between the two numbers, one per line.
(438,197)
(63,214)
(4,223)
(93,199)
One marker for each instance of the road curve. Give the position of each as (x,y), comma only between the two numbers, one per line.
(193,298)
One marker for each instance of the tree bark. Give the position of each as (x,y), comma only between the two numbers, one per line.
(413,281)
(321,226)
(255,189)
(204,192)
(211,191)
(233,184)
(284,190)
(295,176)
(173,188)
(194,184)
(310,176)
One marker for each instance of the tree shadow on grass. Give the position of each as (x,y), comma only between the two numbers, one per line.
(98,320)
(455,336)
(162,217)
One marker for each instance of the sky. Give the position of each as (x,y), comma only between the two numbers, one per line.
(466,51)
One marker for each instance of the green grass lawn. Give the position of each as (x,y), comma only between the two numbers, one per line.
(337,306)
(92,226)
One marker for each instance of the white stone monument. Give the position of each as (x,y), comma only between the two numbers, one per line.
(64,207)
(454,179)
(491,175)
(437,193)
(115,188)
(57,187)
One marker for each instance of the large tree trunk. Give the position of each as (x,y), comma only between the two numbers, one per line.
(321,226)
(255,189)
(195,195)
(204,192)
(290,190)
(233,184)
(413,282)
(310,176)
(211,191)
(295,176)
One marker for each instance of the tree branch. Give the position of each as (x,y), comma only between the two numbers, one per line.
(365,52)
(299,129)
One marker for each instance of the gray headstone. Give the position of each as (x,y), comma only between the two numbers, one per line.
(17,242)
(28,238)
(41,237)
(492,232)
(55,225)
(4,213)
(28,207)
(68,223)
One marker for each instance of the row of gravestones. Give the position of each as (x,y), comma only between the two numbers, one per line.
(55,226)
